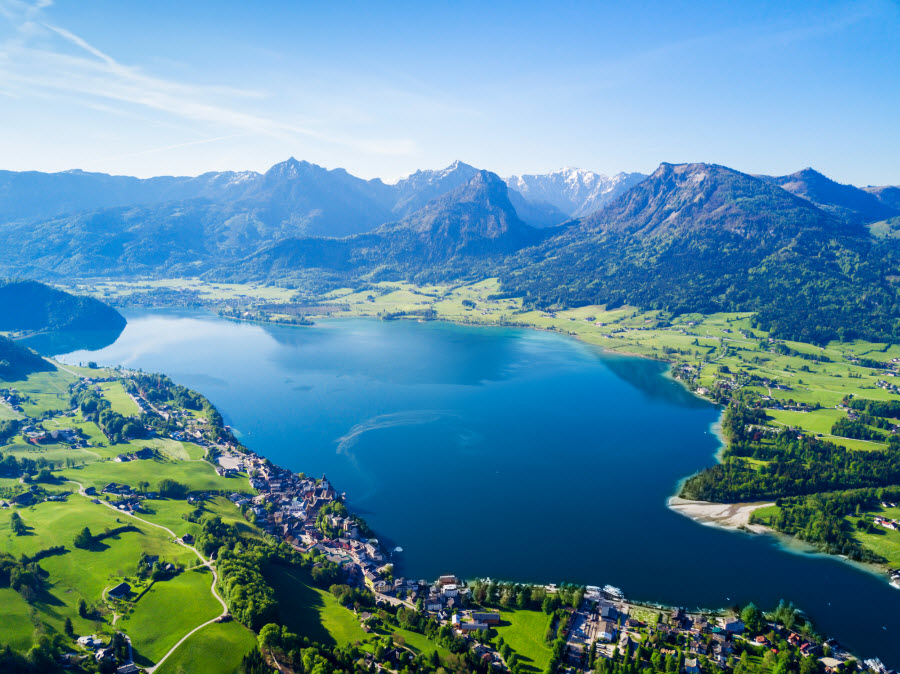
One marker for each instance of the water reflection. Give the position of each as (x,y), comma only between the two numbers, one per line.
(52,343)
(648,377)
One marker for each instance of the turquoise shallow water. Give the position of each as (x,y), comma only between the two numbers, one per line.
(508,453)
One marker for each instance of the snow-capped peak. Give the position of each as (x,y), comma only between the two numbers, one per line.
(576,192)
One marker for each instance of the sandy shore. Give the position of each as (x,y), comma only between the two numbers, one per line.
(725,515)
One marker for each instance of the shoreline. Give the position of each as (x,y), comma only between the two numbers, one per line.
(730,516)
(734,517)
(725,516)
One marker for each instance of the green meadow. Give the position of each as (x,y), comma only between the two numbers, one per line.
(310,611)
(525,633)
(216,649)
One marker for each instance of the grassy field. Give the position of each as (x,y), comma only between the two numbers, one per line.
(645,615)
(168,611)
(169,513)
(216,649)
(155,619)
(44,391)
(78,574)
(198,474)
(524,631)
(119,400)
(111,290)
(885,542)
(310,611)
(17,620)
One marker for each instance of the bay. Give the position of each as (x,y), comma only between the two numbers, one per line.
(509,453)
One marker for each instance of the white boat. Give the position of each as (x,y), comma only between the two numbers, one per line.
(613,591)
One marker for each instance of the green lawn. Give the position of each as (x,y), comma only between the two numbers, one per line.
(646,615)
(57,453)
(524,632)
(45,390)
(119,400)
(168,513)
(198,475)
(16,628)
(167,612)
(311,612)
(216,649)
(420,643)
(78,573)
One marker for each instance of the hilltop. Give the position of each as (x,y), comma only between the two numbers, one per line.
(796,250)
(31,306)
(846,202)
(702,237)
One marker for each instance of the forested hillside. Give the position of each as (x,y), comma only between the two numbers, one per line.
(705,238)
(796,250)
(17,361)
(29,306)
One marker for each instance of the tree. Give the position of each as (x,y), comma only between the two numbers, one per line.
(17,525)
(171,489)
(82,608)
(143,485)
(752,617)
(69,628)
(269,637)
(84,539)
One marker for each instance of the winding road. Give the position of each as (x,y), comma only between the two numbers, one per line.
(205,562)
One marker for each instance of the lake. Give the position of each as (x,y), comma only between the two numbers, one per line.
(509,453)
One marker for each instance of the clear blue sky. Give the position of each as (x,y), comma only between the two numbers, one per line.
(160,87)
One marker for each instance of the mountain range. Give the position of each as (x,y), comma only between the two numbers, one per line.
(690,237)
(573,191)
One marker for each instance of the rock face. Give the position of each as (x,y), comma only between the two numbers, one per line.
(475,218)
(575,192)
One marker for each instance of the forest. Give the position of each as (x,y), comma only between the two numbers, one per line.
(794,465)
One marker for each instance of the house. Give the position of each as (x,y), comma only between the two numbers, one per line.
(691,666)
(130,668)
(433,605)
(606,630)
(450,590)
(25,499)
(734,626)
(609,613)
(187,539)
(488,618)
(472,626)
(448,580)
(120,590)
(89,641)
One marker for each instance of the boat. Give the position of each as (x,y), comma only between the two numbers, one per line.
(613,592)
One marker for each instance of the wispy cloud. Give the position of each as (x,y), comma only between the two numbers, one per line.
(43,58)
(167,148)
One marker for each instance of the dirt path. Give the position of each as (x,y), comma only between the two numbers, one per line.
(205,562)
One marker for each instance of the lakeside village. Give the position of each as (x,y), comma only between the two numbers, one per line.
(590,629)
(309,514)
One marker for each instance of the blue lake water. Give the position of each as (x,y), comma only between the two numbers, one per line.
(498,452)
